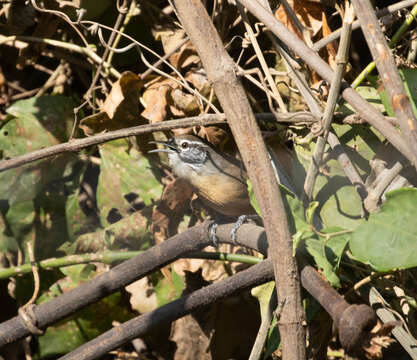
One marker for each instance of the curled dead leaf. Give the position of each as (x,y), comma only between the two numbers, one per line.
(169,212)
(120,109)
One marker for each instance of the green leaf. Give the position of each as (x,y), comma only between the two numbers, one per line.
(339,202)
(409,78)
(124,177)
(327,252)
(388,240)
(17,227)
(85,325)
(168,290)
(132,232)
(36,123)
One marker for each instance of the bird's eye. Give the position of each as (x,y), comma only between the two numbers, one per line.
(185,145)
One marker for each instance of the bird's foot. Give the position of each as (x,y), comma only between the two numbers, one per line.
(212,233)
(240,221)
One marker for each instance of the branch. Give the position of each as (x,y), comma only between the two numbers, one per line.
(79,144)
(183,245)
(388,72)
(221,71)
(119,335)
(342,59)
(202,120)
(356,24)
(103,285)
(366,110)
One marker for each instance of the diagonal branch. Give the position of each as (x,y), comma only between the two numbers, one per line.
(366,110)
(388,72)
(221,70)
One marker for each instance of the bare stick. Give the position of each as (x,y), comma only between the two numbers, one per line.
(366,110)
(346,318)
(341,58)
(388,72)
(202,120)
(356,24)
(261,58)
(140,325)
(79,144)
(221,70)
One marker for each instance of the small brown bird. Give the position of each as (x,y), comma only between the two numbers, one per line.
(219,181)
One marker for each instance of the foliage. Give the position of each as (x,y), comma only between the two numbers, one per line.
(116,196)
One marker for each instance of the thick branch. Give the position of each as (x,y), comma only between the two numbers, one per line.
(221,70)
(388,72)
(121,275)
(255,275)
(250,236)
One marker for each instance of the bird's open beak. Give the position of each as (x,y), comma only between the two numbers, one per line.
(170,147)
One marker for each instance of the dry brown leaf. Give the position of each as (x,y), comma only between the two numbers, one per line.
(312,16)
(379,339)
(171,39)
(308,13)
(330,54)
(169,212)
(143,298)
(120,109)
(214,135)
(184,102)
(157,99)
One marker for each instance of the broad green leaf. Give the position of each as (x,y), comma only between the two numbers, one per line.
(388,240)
(168,290)
(36,123)
(88,323)
(339,203)
(123,178)
(132,232)
(328,252)
(77,221)
(18,227)
(409,78)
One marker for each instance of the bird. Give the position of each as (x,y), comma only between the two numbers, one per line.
(218,180)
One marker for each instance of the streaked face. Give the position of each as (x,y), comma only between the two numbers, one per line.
(185,151)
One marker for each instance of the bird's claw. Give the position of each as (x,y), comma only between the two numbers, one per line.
(212,234)
(240,221)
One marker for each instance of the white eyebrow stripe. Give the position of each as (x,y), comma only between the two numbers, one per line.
(192,142)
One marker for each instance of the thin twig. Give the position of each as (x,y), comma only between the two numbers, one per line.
(356,24)
(107,45)
(202,120)
(63,45)
(261,59)
(383,180)
(79,144)
(341,59)
(126,21)
(366,110)
(315,109)
(136,327)
(396,37)
(258,346)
